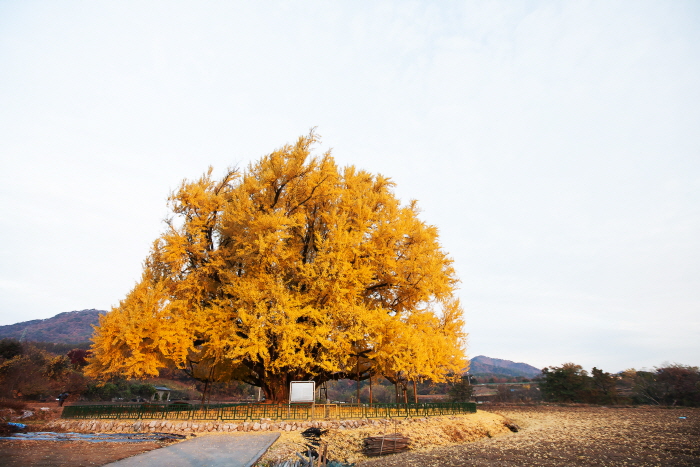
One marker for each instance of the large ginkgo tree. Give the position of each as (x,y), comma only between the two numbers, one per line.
(293,269)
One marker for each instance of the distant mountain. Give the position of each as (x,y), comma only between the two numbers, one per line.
(68,327)
(482,365)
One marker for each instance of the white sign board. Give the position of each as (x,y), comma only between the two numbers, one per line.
(302,391)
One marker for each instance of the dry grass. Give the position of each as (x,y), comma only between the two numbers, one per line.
(346,444)
(575,436)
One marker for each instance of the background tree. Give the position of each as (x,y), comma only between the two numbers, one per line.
(9,348)
(567,383)
(646,388)
(284,273)
(78,357)
(603,387)
(37,374)
(669,385)
(118,389)
(680,385)
(461,391)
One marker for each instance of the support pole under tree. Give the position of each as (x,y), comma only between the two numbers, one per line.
(206,390)
(207,386)
(415,392)
(357,368)
(323,389)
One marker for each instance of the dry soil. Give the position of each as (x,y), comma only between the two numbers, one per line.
(549,436)
(574,436)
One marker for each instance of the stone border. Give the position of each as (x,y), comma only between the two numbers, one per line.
(190,426)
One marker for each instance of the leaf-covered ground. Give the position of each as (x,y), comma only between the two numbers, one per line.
(574,436)
(426,433)
(550,436)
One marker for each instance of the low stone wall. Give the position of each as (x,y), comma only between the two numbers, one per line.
(193,426)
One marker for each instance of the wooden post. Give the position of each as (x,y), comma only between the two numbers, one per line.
(415,392)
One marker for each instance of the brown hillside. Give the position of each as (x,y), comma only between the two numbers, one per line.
(68,327)
(483,365)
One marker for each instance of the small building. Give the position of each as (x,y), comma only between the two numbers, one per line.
(162,392)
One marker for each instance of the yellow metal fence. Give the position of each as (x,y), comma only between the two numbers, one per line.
(268,411)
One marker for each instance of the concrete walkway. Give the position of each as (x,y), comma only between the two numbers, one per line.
(229,450)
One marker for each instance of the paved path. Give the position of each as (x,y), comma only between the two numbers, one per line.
(229,450)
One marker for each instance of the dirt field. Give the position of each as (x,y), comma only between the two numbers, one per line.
(575,436)
(67,453)
(550,436)
(63,453)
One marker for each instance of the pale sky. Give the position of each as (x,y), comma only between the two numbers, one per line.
(556,146)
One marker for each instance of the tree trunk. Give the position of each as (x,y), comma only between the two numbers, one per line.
(276,390)
(204,392)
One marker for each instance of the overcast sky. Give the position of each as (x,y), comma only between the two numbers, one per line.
(556,146)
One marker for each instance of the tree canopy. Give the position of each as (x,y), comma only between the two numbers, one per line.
(571,383)
(293,269)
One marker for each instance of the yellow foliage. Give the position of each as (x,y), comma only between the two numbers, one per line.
(289,270)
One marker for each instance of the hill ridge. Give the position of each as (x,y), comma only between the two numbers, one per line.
(66,327)
(483,365)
